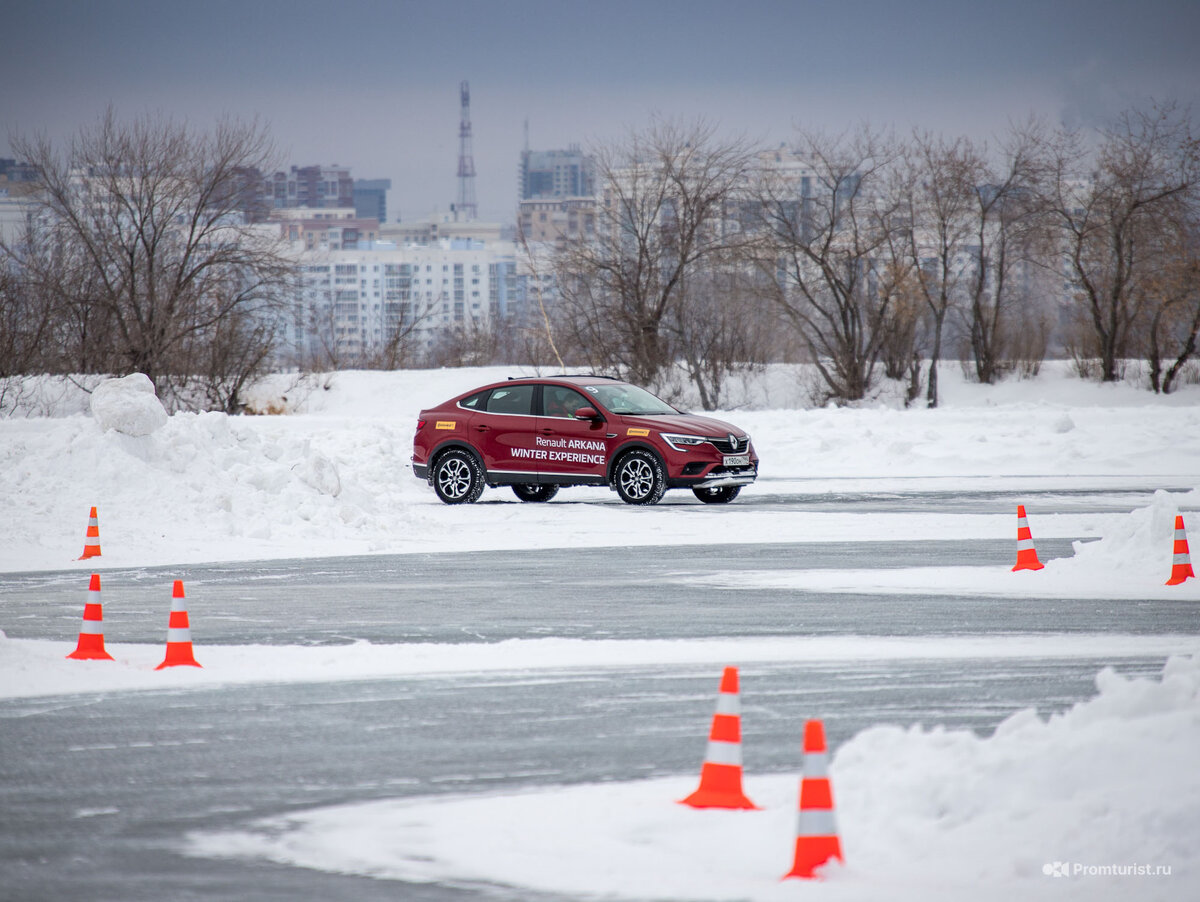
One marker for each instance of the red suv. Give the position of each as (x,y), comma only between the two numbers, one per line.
(540,434)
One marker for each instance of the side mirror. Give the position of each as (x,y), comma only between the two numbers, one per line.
(587,413)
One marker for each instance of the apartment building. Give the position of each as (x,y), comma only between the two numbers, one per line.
(311,186)
(355,301)
(556,196)
(330,229)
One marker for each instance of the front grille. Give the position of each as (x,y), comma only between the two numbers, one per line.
(738,446)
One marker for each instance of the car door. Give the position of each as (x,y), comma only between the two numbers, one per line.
(504,433)
(576,450)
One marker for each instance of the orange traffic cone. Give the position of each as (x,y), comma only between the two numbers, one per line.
(179,633)
(1181,561)
(1027,558)
(721,773)
(816,832)
(91,634)
(91,543)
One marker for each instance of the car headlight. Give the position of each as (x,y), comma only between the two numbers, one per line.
(683,442)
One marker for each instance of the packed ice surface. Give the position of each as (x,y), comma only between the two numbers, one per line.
(1106,791)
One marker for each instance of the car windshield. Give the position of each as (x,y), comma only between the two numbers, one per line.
(623,398)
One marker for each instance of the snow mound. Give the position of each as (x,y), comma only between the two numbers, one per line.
(1107,790)
(1141,542)
(128,406)
(1109,783)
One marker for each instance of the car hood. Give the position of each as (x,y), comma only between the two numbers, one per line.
(685,423)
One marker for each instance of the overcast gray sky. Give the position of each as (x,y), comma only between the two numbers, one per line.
(374,85)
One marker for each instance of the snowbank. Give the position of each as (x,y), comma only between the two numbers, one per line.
(38,667)
(333,478)
(1106,792)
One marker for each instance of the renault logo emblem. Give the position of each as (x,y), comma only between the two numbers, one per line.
(733,442)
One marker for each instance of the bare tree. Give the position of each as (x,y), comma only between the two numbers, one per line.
(469,343)
(1007,224)
(827,236)
(27,325)
(719,328)
(159,257)
(534,343)
(938,182)
(1174,305)
(1111,216)
(666,193)
(905,332)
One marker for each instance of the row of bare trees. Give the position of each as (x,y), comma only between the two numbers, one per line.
(868,255)
(863,254)
(135,258)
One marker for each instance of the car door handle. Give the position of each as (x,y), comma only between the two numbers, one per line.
(547,431)
(481,428)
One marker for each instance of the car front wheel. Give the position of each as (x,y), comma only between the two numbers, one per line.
(717,494)
(541,492)
(639,478)
(458,477)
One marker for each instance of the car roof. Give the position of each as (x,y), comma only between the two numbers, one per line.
(569,378)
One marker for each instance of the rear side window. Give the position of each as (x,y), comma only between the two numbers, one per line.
(477,401)
(517,399)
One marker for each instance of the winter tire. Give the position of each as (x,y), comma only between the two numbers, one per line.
(639,478)
(717,494)
(458,477)
(541,492)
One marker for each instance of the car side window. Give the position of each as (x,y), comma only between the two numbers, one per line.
(558,401)
(518,399)
(475,402)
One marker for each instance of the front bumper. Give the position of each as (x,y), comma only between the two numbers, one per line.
(715,478)
(725,479)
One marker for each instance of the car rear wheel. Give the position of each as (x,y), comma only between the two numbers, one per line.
(639,478)
(535,492)
(458,477)
(717,494)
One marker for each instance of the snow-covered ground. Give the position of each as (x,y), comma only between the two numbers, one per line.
(334,478)
(924,814)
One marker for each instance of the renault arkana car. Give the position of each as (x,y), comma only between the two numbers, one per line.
(540,434)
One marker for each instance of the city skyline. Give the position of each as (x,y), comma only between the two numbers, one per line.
(374,85)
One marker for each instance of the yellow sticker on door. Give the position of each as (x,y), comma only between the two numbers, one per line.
(445,424)
(638,432)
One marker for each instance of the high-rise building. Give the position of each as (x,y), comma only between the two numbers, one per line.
(557,195)
(370,198)
(557,173)
(312,186)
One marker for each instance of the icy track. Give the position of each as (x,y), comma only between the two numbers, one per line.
(923,815)
(1107,792)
